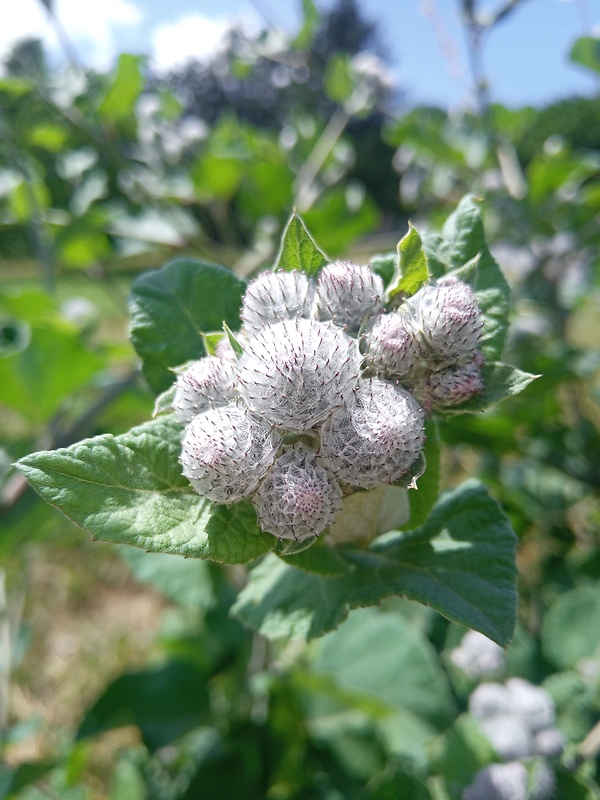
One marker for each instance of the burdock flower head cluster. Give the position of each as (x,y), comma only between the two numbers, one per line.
(316,396)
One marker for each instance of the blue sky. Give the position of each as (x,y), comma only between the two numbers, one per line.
(526,57)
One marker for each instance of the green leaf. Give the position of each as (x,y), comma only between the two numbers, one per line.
(235,345)
(164,703)
(586,52)
(384,265)
(499,382)
(170,307)
(422,499)
(298,249)
(13,780)
(129,489)
(571,629)
(462,234)
(187,581)
(461,753)
(368,653)
(493,296)
(461,562)
(55,364)
(464,249)
(337,80)
(412,265)
(310,24)
(320,559)
(127,85)
(211,341)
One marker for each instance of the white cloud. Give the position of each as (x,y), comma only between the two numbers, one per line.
(89,25)
(192,36)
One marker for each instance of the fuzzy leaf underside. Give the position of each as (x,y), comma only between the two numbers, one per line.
(129,489)
(171,307)
(461,562)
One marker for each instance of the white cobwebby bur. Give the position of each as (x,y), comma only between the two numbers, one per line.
(448,319)
(347,293)
(392,345)
(298,498)
(295,373)
(274,297)
(207,383)
(226,452)
(376,437)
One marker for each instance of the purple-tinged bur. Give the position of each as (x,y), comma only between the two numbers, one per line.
(347,293)
(295,373)
(392,347)
(453,385)
(226,451)
(299,498)
(499,782)
(376,437)
(448,319)
(207,383)
(273,297)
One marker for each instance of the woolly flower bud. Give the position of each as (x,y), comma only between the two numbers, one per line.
(448,318)
(392,346)
(298,498)
(376,437)
(226,451)
(274,296)
(489,700)
(478,657)
(295,373)
(454,385)
(549,742)
(499,782)
(531,703)
(508,735)
(347,293)
(207,383)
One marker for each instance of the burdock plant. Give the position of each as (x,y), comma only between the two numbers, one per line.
(295,428)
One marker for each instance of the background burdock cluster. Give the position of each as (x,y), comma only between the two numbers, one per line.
(315,397)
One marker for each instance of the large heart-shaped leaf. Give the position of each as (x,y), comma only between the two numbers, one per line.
(129,489)
(461,562)
(171,307)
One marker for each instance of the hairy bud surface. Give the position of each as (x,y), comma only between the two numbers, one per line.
(207,383)
(392,346)
(347,293)
(299,498)
(295,373)
(448,319)
(453,385)
(374,438)
(273,297)
(226,451)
